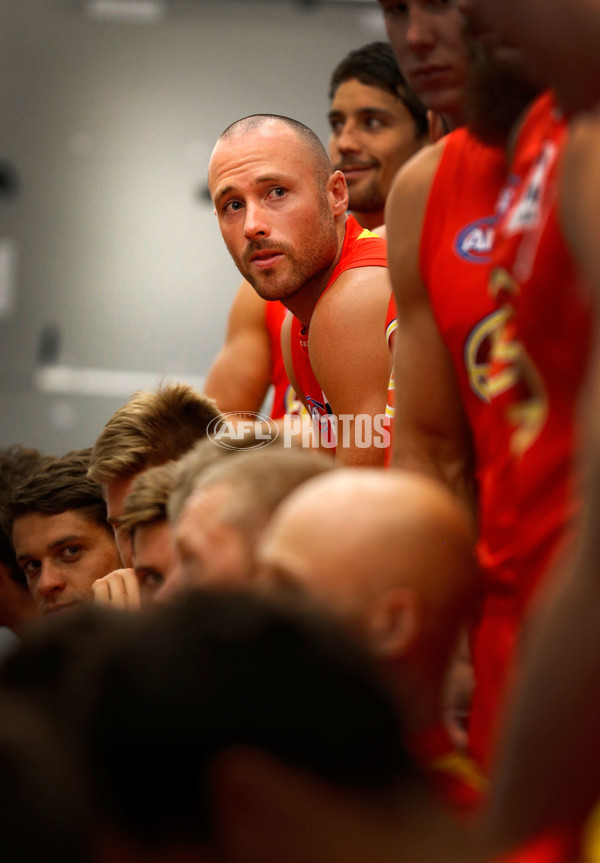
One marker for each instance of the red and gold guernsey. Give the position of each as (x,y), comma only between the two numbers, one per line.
(538,361)
(285,400)
(275,314)
(455,254)
(391,325)
(453,776)
(361,248)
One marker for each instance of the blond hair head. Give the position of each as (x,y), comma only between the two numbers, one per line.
(151,429)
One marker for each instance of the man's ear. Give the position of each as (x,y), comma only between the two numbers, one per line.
(395,623)
(337,191)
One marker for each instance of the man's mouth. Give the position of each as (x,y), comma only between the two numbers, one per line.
(265,258)
(430,76)
(59,607)
(356,171)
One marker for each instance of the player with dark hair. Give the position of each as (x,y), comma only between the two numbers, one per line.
(56,520)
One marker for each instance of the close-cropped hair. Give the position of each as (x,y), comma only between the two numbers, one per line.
(261,479)
(16,463)
(375,65)
(57,485)
(190,467)
(153,427)
(255,122)
(146,501)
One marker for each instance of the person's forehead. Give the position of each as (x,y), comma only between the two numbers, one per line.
(201,515)
(255,154)
(353,96)
(147,536)
(38,531)
(114,493)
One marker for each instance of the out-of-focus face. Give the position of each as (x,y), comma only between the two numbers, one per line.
(208,549)
(61,556)
(561,38)
(114,493)
(276,219)
(153,558)
(372,135)
(427,38)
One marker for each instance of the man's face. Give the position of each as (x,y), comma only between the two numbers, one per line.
(560,38)
(500,87)
(153,558)
(115,493)
(276,218)
(208,549)
(61,556)
(372,135)
(427,38)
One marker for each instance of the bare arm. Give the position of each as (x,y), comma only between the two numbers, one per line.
(431,433)
(240,375)
(351,359)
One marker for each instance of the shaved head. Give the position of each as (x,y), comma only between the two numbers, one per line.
(258,123)
(351,537)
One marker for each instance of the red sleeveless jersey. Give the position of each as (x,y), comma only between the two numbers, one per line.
(538,359)
(361,248)
(285,400)
(456,246)
(541,355)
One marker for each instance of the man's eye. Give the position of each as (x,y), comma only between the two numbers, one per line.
(151,578)
(395,9)
(336,126)
(232,207)
(373,123)
(276,192)
(71,552)
(30,567)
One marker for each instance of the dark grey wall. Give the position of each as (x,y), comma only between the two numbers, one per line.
(111,270)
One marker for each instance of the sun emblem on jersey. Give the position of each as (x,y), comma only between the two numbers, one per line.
(477,353)
(515,384)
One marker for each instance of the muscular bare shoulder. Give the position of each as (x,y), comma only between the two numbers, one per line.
(413,180)
(347,344)
(404,217)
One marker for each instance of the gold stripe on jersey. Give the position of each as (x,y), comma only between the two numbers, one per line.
(464,768)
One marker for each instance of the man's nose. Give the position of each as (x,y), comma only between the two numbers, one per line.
(347,139)
(51,579)
(420,35)
(256,223)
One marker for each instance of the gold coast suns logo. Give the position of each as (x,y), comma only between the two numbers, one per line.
(500,369)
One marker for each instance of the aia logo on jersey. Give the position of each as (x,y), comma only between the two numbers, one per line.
(476,240)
